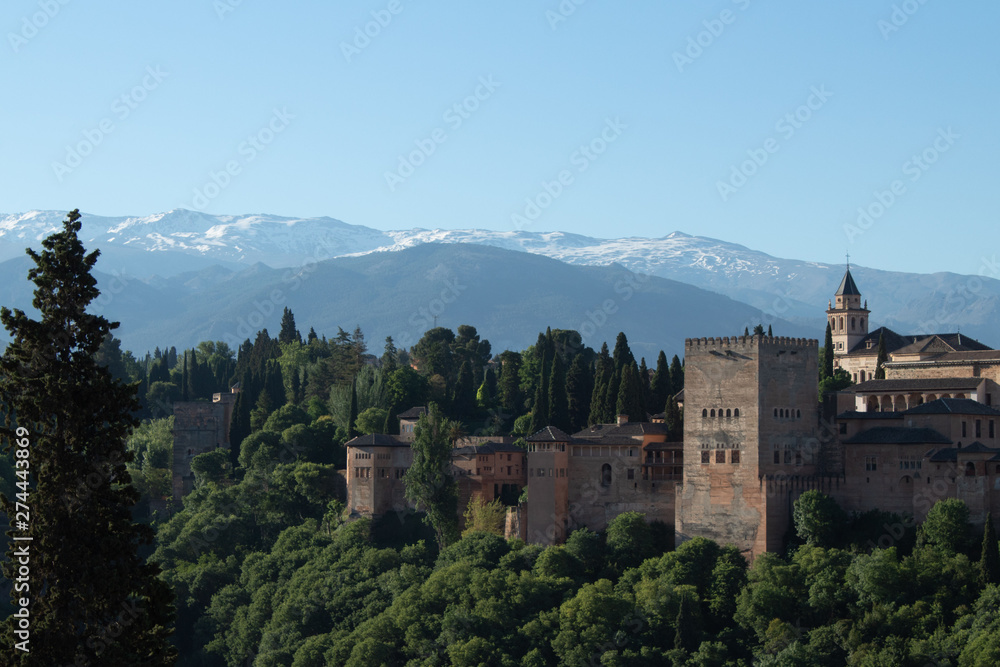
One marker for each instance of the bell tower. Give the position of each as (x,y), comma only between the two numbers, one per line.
(848,319)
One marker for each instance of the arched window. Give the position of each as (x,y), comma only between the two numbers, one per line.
(736,412)
(776,412)
(970,469)
(704,413)
(729,412)
(841,323)
(606,474)
(853,323)
(720,413)
(712,413)
(798,414)
(862,321)
(862,376)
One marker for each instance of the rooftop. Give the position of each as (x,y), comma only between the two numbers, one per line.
(957,406)
(898,435)
(917,384)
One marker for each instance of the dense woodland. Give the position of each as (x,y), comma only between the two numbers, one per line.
(268,569)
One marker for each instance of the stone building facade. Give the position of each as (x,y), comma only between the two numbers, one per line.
(199,427)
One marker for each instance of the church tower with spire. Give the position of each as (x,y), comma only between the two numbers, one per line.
(848,319)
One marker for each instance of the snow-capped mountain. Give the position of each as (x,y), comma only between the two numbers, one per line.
(181,240)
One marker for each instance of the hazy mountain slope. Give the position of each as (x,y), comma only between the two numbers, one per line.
(179,241)
(509,296)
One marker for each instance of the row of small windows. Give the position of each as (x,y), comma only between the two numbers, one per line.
(604,451)
(730,412)
(787,413)
(540,472)
(979,429)
(840,321)
(383,473)
(547,447)
(720,456)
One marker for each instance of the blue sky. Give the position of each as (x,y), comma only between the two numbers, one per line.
(763,124)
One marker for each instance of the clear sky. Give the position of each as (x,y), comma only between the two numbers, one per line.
(762,123)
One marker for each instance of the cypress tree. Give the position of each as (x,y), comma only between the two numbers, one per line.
(769,334)
(579,387)
(352,414)
(72,417)
(630,395)
(659,387)
(676,375)
(826,369)
(464,399)
(622,354)
(881,358)
(674,421)
(989,560)
(687,636)
(610,404)
(601,379)
(645,383)
(184,378)
(558,400)
(509,386)
(389,356)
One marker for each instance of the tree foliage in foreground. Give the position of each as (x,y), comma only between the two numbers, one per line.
(91,598)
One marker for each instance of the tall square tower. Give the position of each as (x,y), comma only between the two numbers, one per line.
(750,427)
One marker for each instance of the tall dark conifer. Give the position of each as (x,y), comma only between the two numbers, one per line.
(989,559)
(288,332)
(73,418)
(558,401)
(602,375)
(579,387)
(676,375)
(352,414)
(659,387)
(881,358)
(826,368)
(630,395)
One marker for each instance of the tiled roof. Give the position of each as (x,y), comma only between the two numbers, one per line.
(898,435)
(550,434)
(978,448)
(958,406)
(917,384)
(375,440)
(942,343)
(412,413)
(489,448)
(944,455)
(854,414)
(893,342)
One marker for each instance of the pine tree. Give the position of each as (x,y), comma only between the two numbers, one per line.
(989,560)
(312,335)
(288,332)
(558,400)
(826,369)
(389,356)
(73,418)
(881,358)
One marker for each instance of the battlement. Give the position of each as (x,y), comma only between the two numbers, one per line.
(737,343)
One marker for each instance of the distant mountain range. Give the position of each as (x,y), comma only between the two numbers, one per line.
(221,259)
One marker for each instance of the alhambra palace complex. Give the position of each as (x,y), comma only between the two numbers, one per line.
(756,436)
